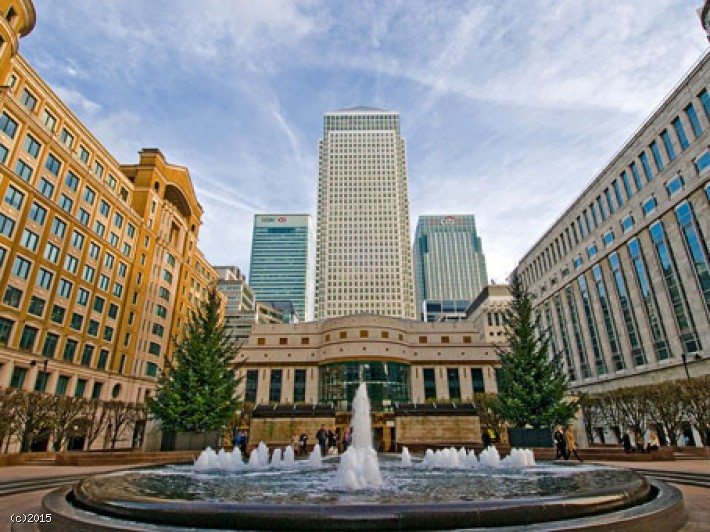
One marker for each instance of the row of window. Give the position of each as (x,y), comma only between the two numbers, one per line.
(620,190)
(577,325)
(19,375)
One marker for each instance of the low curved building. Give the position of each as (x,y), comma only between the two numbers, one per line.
(403,362)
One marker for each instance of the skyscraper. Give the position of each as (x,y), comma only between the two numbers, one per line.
(449,266)
(364,261)
(281,265)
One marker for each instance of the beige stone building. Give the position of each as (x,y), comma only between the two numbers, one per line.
(487,310)
(402,361)
(622,278)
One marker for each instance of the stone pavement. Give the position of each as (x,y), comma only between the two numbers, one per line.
(697,500)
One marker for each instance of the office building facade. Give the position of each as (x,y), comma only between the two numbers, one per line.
(281,262)
(99,265)
(363,255)
(622,278)
(449,265)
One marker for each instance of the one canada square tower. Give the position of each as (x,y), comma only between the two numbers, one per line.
(364,260)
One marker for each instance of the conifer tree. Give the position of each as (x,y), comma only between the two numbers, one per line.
(533,384)
(197,389)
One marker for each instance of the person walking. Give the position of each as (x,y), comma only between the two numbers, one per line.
(322,437)
(560,443)
(347,439)
(304,443)
(571,444)
(626,441)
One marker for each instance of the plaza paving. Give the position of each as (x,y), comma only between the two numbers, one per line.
(697,499)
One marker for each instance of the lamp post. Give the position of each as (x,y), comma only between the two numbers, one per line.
(44,372)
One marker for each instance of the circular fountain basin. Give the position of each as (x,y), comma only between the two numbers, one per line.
(410,498)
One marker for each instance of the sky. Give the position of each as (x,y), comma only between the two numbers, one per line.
(509,109)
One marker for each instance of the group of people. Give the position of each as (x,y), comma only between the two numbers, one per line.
(641,446)
(327,441)
(565,444)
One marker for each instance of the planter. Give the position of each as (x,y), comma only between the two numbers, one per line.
(520,437)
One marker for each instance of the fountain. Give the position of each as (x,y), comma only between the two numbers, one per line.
(445,489)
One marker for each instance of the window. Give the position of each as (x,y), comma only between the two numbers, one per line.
(14,197)
(422,339)
(94,250)
(479,385)
(130,230)
(21,267)
(104,208)
(694,121)
(82,297)
(89,195)
(87,355)
(18,377)
(592,251)
(44,279)
(49,121)
(67,138)
(96,392)
(608,238)
(62,385)
(609,202)
(164,293)
(3,154)
(98,169)
(8,125)
(28,337)
(84,217)
(627,223)
(58,227)
(66,203)
(83,154)
(577,262)
(88,273)
(58,314)
(668,143)
(111,182)
(657,155)
(29,240)
(70,350)
(252,384)
(5,330)
(275,386)
(103,359)
(51,341)
(71,180)
(31,146)
(162,312)
(454,384)
(46,188)
(77,240)
(77,321)
(637,176)
(93,328)
(627,185)
(53,164)
(37,213)
(70,263)
(28,100)
(151,369)
(682,137)
(299,386)
(80,389)
(108,260)
(646,166)
(12,297)
(429,384)
(7,226)
(65,288)
(108,333)
(99,303)
(103,282)
(113,239)
(674,185)
(649,206)
(113,311)
(99,228)
(118,220)
(154,349)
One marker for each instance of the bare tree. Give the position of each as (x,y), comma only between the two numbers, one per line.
(34,414)
(68,411)
(10,400)
(591,413)
(95,422)
(122,418)
(695,395)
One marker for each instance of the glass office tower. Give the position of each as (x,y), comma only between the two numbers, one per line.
(280,269)
(449,265)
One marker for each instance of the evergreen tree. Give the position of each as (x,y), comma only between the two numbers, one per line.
(532,385)
(197,389)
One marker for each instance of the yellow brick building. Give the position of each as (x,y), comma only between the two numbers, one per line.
(99,265)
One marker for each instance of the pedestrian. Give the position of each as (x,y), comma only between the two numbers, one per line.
(295,442)
(639,442)
(486,439)
(653,443)
(571,444)
(332,441)
(560,443)
(626,441)
(347,439)
(304,443)
(322,437)
(242,442)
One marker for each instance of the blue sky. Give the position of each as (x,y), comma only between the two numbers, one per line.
(509,108)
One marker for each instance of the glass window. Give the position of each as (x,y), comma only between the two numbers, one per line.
(46,188)
(62,385)
(83,154)
(646,166)
(7,226)
(608,238)
(8,125)
(694,121)
(637,176)
(21,267)
(680,132)
(67,138)
(14,197)
(65,288)
(37,213)
(31,146)
(668,143)
(627,223)
(705,100)
(429,384)
(44,279)
(70,351)
(674,185)
(80,389)
(58,227)
(627,185)
(58,314)
(49,121)
(656,155)
(71,180)
(454,384)
(29,240)
(649,206)
(28,100)
(18,377)
(12,297)
(275,386)
(28,337)
(51,341)
(104,208)
(697,248)
(89,195)
(66,203)
(53,164)
(77,321)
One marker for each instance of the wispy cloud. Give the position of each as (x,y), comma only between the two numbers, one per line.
(509,108)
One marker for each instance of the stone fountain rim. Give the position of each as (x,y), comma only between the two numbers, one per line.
(382,516)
